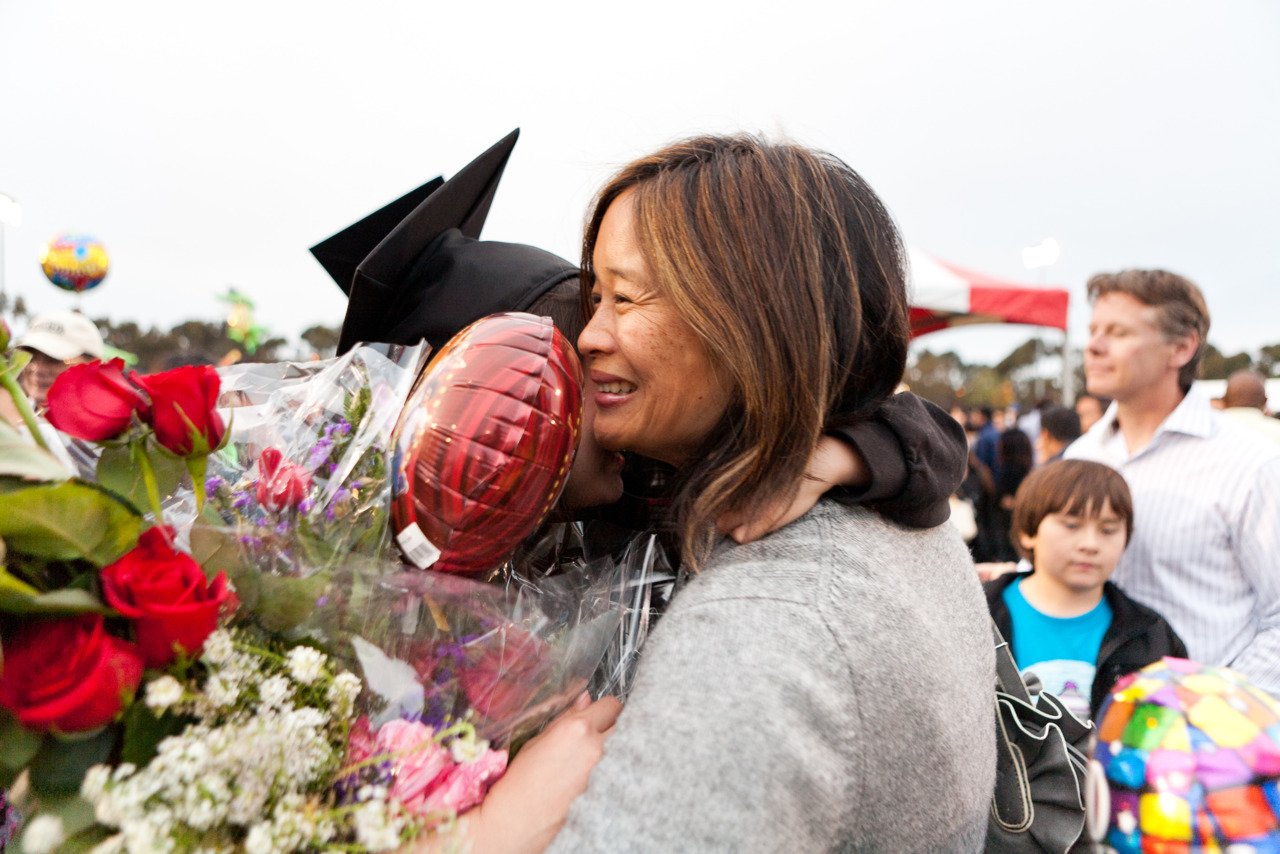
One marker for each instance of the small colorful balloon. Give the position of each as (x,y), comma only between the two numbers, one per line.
(75,262)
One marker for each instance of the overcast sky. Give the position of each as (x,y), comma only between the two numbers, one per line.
(210,148)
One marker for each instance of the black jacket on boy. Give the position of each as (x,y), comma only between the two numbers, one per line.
(1137,636)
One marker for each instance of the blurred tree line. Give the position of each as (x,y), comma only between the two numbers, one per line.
(194,341)
(205,342)
(1019,377)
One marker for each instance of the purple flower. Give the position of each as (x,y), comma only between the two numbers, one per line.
(305,505)
(10,818)
(319,453)
(213,484)
(242,500)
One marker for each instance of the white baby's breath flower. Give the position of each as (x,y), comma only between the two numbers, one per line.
(44,834)
(145,834)
(217,647)
(343,692)
(200,812)
(221,693)
(259,840)
(375,829)
(107,810)
(274,691)
(236,770)
(163,693)
(306,664)
(468,748)
(124,769)
(95,782)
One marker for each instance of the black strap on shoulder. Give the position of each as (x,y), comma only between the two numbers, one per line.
(1008,679)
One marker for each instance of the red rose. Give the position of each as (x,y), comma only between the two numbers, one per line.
(281,483)
(165,593)
(501,679)
(68,674)
(183,409)
(94,401)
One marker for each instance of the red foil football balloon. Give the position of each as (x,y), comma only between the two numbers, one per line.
(485,442)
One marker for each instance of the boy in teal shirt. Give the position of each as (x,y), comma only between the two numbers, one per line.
(1065,620)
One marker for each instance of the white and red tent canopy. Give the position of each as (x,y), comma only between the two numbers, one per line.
(943,295)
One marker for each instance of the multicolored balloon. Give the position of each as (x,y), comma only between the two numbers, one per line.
(485,442)
(75,262)
(1187,759)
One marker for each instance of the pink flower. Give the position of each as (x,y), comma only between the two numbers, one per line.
(360,741)
(417,761)
(465,785)
(281,483)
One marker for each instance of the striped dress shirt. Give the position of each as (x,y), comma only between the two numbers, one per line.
(1205,550)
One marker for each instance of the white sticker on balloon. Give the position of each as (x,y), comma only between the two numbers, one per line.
(420,551)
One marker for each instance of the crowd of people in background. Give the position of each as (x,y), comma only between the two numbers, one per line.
(1182,505)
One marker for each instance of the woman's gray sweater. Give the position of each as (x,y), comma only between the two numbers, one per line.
(829,687)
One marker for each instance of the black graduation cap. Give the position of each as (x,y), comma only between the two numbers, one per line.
(429,274)
(341,254)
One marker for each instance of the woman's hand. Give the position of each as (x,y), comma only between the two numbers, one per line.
(832,463)
(527,807)
(988,571)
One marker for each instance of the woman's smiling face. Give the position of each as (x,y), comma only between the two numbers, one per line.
(652,381)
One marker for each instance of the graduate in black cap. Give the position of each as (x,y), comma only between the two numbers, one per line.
(417,269)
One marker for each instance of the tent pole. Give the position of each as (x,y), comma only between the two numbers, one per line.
(1068,374)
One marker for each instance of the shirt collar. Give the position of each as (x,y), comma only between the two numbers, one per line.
(1192,416)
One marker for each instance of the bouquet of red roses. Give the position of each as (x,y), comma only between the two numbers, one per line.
(96,598)
(347,702)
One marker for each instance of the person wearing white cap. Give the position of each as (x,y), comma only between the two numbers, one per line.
(56,341)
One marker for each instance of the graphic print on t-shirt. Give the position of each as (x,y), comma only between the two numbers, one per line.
(1068,680)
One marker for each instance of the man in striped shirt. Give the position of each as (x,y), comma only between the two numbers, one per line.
(1205,551)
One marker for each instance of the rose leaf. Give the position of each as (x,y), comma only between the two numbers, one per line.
(60,765)
(20,458)
(17,747)
(118,473)
(68,520)
(218,550)
(143,732)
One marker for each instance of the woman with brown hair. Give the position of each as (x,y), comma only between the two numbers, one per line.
(828,686)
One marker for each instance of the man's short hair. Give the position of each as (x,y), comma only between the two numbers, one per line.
(1075,487)
(1180,306)
(1245,387)
(1062,424)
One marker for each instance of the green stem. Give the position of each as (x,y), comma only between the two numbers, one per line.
(149,478)
(198,466)
(21,403)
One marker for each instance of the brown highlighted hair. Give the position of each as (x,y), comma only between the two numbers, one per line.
(1180,305)
(1074,487)
(791,272)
